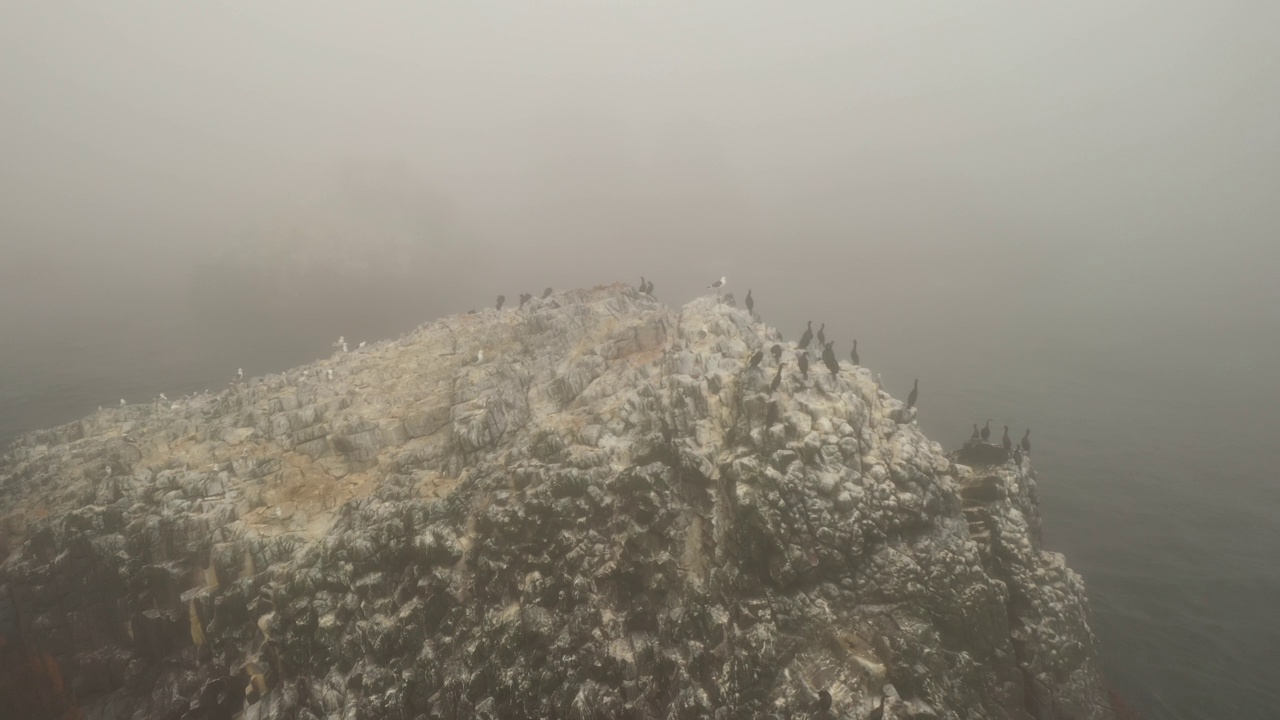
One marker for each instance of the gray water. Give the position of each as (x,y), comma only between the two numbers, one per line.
(1153,431)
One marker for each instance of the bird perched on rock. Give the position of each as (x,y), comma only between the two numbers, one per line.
(777,352)
(829,358)
(1005,441)
(342,340)
(643,285)
(546,293)
(824,701)
(804,365)
(501,299)
(240,372)
(986,430)
(822,334)
(915,394)
(853,354)
(806,338)
(122,402)
(976,436)
(1017,456)
(1026,442)
(162,397)
(777,379)
(751,303)
(771,413)
(329,374)
(648,290)
(525,298)
(362,344)
(756,357)
(717,285)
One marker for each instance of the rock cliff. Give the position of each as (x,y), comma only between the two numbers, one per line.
(589,507)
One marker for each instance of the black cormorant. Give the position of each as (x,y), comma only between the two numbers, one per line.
(877,713)
(756,357)
(854,352)
(804,364)
(546,293)
(525,298)
(986,430)
(915,394)
(824,701)
(1005,440)
(777,352)
(648,289)
(976,436)
(777,379)
(829,358)
(501,299)
(751,303)
(643,284)
(822,334)
(771,413)
(1017,456)
(1026,442)
(806,338)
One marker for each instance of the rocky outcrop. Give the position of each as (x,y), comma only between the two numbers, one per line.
(609,515)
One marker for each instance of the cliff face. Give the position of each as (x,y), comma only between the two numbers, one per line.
(609,515)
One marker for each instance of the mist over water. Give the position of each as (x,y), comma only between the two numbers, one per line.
(1056,218)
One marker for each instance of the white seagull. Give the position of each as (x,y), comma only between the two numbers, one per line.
(719,283)
(330,374)
(360,345)
(344,347)
(122,402)
(341,340)
(162,397)
(239,373)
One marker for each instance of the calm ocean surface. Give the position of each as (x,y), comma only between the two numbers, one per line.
(1156,437)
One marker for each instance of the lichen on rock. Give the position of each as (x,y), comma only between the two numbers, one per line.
(609,515)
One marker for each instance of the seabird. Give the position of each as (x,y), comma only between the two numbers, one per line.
(751,303)
(162,397)
(649,289)
(1017,456)
(1005,440)
(806,338)
(546,293)
(362,343)
(122,402)
(915,394)
(824,701)
(643,285)
(756,357)
(853,354)
(480,356)
(777,379)
(1026,442)
(777,352)
(330,374)
(804,364)
(344,347)
(240,371)
(986,430)
(524,298)
(501,299)
(342,339)
(719,283)
(829,358)
(976,436)
(822,334)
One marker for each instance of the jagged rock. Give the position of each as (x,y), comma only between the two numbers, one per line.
(610,515)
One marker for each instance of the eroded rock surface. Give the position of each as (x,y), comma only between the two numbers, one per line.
(608,516)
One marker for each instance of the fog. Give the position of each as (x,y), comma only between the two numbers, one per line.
(1025,205)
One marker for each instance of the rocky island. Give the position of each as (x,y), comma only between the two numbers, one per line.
(587,507)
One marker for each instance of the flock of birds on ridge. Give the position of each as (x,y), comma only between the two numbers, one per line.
(806,339)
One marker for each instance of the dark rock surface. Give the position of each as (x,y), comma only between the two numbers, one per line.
(573,509)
